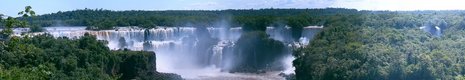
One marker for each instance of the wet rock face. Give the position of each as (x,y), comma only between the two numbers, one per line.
(142,66)
(255,52)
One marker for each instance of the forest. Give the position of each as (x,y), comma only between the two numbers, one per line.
(45,57)
(403,45)
(354,44)
(107,19)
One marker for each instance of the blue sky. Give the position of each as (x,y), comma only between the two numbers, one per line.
(11,7)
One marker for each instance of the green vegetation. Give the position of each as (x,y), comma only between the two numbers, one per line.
(9,23)
(385,45)
(361,45)
(44,57)
(250,20)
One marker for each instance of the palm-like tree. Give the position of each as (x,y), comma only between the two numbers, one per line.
(11,22)
(1,17)
(27,12)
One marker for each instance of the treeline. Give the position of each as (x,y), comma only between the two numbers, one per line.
(249,19)
(386,45)
(98,19)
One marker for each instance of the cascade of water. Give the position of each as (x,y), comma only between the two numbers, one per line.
(282,34)
(217,56)
(178,48)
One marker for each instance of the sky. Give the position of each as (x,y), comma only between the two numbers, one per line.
(12,7)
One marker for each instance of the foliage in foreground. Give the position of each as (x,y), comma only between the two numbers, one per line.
(387,45)
(44,57)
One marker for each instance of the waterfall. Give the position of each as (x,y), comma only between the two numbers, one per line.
(180,49)
(217,56)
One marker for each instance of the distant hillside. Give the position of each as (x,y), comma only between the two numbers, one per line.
(105,19)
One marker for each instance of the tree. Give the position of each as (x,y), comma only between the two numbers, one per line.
(11,22)
(46,57)
(1,18)
(27,12)
(254,23)
(297,24)
(36,28)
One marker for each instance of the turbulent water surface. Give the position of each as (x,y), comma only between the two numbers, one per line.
(180,50)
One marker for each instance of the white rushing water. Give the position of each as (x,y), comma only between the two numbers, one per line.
(193,53)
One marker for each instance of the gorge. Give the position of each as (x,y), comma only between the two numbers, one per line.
(194,52)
